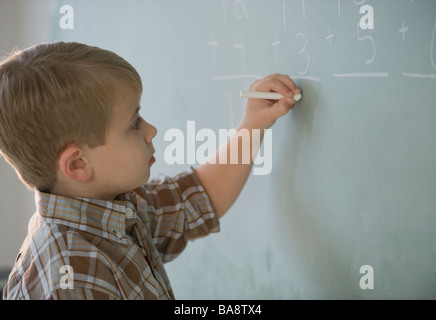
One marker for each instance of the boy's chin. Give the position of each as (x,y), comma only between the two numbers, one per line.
(140,183)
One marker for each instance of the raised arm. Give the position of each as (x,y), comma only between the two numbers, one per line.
(222,180)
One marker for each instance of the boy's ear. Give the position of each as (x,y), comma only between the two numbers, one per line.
(74,164)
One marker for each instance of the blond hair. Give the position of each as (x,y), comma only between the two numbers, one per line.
(52,95)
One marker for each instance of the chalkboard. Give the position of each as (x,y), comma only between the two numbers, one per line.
(348,209)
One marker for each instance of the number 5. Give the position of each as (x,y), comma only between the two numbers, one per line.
(359,38)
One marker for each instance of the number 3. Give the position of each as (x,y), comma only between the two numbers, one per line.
(303,51)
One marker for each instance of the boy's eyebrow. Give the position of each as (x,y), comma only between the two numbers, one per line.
(134,115)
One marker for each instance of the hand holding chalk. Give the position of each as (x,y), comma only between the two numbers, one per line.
(268,95)
(273,97)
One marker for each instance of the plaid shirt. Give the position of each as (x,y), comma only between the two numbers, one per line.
(80,248)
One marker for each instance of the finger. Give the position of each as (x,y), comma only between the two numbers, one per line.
(273,83)
(289,83)
(290,102)
(282,107)
(253,85)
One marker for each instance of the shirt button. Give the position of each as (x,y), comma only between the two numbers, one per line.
(119,234)
(129,213)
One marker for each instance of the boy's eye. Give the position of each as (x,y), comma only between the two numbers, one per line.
(137,123)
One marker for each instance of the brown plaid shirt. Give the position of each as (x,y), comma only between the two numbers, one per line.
(93,249)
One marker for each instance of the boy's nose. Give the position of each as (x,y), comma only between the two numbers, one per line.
(149,132)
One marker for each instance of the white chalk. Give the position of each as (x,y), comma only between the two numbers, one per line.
(297,97)
(267,95)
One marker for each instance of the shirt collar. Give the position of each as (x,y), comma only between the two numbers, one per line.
(106,219)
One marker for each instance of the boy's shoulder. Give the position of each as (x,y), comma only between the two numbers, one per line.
(49,256)
(34,273)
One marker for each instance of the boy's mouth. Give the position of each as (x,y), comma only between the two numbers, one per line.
(152,159)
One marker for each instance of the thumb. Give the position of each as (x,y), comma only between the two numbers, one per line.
(282,107)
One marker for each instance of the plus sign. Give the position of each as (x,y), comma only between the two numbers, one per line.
(403,30)
(329,37)
(213,44)
(275,44)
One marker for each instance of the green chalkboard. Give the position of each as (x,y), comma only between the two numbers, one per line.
(348,207)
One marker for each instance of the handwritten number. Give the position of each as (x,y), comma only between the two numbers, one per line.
(304,52)
(370,39)
(432,45)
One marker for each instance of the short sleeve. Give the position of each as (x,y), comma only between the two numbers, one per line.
(178,210)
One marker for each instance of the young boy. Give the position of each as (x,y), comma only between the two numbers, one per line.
(70,127)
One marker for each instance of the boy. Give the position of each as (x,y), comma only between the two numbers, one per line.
(70,127)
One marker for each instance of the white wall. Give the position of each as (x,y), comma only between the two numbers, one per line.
(22,23)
